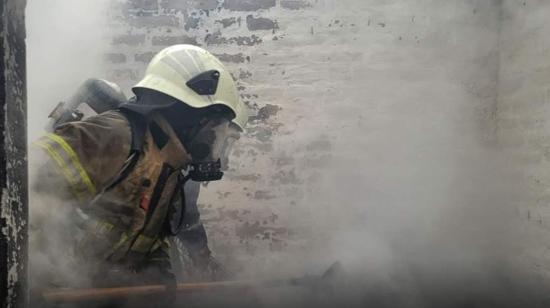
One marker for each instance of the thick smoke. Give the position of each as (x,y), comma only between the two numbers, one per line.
(66,43)
(416,198)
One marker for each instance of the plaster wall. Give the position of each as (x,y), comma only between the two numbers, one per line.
(353,104)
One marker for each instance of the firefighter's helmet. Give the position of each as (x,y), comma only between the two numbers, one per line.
(195,77)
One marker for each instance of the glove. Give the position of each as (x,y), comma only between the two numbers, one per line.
(208,267)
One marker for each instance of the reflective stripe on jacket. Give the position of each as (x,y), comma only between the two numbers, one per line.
(68,163)
(90,154)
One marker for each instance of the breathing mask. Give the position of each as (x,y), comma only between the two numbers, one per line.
(207,149)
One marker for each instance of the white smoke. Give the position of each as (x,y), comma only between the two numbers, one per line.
(415,197)
(66,43)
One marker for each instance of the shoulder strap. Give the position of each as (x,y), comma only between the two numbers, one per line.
(138,126)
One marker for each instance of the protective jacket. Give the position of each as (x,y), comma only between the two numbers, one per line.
(124,204)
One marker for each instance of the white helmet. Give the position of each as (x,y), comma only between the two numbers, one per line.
(195,77)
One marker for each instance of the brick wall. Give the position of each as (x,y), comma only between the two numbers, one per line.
(348,107)
(373,127)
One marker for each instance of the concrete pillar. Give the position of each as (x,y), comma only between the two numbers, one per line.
(13,156)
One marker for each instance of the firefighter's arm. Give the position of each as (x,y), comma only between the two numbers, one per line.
(81,157)
(194,237)
(45,177)
(62,170)
(195,240)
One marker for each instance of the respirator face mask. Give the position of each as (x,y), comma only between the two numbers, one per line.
(207,136)
(207,150)
(233,134)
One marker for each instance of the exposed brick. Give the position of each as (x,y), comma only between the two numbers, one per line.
(216,38)
(184,5)
(244,74)
(294,4)
(204,4)
(143,4)
(123,75)
(192,22)
(153,21)
(115,57)
(235,58)
(173,40)
(226,22)
(248,5)
(129,39)
(246,40)
(144,57)
(260,23)
(262,194)
(141,7)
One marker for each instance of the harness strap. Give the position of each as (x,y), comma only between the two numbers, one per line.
(138,128)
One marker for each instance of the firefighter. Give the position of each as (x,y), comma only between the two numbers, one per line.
(123,169)
(192,241)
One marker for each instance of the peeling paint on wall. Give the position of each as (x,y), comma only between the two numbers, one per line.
(13,165)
